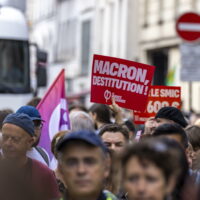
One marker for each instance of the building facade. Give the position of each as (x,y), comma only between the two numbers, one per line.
(160,45)
(140,30)
(73,30)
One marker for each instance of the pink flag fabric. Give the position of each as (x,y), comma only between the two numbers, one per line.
(54,111)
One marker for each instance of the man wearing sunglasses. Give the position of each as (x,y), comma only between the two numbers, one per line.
(36,152)
(23,178)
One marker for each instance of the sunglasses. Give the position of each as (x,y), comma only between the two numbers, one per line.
(38,124)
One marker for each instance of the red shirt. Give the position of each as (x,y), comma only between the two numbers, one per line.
(33,181)
(44,181)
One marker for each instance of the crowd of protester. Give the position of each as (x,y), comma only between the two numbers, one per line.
(99,158)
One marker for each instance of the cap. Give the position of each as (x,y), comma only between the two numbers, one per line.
(173,114)
(31,111)
(22,120)
(86,136)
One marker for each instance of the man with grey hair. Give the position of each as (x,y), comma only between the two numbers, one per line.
(80,120)
(84,166)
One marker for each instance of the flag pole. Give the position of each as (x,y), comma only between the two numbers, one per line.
(49,90)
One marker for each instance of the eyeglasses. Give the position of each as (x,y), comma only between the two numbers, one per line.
(13,138)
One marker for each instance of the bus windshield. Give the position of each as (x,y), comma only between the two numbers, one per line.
(14,66)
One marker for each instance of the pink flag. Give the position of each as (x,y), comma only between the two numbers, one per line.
(53,109)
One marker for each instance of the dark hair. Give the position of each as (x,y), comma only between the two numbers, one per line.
(115,128)
(165,153)
(172,129)
(193,133)
(34,101)
(3,114)
(129,124)
(102,111)
(173,114)
(77,106)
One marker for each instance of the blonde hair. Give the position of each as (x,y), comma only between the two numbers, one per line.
(55,140)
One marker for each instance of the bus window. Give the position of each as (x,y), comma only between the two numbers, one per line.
(14,66)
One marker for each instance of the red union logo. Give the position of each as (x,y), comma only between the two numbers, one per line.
(107,95)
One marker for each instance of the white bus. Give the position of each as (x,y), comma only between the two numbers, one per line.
(15,76)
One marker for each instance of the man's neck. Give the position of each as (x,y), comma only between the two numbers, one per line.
(22,161)
(19,162)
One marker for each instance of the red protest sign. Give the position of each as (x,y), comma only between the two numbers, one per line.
(126,81)
(159,96)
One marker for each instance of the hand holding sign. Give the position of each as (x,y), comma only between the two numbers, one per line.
(117,112)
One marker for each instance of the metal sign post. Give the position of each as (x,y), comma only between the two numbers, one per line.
(188,28)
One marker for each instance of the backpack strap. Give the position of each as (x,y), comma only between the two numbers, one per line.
(43,154)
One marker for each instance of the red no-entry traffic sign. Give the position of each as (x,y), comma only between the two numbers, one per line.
(188,26)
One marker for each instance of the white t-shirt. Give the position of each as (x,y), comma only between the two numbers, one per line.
(53,164)
(34,154)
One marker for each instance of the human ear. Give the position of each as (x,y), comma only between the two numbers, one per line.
(31,141)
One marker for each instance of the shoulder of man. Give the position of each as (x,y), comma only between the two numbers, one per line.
(45,179)
(41,169)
